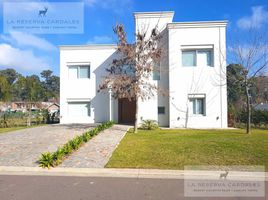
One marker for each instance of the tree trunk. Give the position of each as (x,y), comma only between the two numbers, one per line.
(248,110)
(136,117)
(5,121)
(30,115)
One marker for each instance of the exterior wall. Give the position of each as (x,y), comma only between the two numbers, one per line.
(176,81)
(144,23)
(78,90)
(197,80)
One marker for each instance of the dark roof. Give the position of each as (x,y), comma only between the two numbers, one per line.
(262,106)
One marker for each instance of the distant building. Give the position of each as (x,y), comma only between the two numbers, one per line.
(262,106)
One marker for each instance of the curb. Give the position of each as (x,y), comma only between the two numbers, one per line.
(130,173)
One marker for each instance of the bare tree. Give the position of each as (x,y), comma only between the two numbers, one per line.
(129,75)
(253,57)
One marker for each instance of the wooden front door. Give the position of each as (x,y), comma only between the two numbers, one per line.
(126,111)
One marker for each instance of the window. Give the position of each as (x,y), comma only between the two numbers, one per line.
(72,72)
(128,69)
(202,57)
(198,106)
(79,109)
(161,110)
(78,72)
(156,72)
(189,58)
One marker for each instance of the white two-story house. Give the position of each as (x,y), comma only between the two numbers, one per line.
(193,71)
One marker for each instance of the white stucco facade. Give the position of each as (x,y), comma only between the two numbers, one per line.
(197,95)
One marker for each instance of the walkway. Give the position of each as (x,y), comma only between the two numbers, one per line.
(24,147)
(97,151)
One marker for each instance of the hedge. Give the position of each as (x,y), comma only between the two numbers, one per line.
(52,159)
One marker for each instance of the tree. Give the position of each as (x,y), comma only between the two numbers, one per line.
(129,74)
(10,74)
(4,89)
(4,93)
(253,57)
(34,92)
(51,84)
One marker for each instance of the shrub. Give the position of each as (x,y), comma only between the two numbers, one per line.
(53,159)
(46,160)
(149,124)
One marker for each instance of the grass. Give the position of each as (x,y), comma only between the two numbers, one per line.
(9,129)
(174,149)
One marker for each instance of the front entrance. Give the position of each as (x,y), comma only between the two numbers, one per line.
(126,111)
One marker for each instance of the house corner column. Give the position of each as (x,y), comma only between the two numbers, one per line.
(110,105)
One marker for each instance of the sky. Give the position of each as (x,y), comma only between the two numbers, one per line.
(31,53)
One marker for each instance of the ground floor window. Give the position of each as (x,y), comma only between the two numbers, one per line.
(79,109)
(198,104)
(161,110)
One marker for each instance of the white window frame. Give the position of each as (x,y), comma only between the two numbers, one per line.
(77,66)
(193,99)
(196,49)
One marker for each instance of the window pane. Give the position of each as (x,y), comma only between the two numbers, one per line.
(198,106)
(84,72)
(204,58)
(128,69)
(161,110)
(156,72)
(188,58)
(72,72)
(194,106)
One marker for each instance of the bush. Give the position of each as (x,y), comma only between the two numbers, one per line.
(53,159)
(259,118)
(46,160)
(149,124)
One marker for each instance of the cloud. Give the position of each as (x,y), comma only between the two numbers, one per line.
(28,40)
(257,20)
(21,60)
(117,6)
(100,40)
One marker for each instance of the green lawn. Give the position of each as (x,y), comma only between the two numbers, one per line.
(6,130)
(173,149)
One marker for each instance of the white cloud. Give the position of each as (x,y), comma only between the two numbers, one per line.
(27,40)
(258,18)
(21,60)
(100,40)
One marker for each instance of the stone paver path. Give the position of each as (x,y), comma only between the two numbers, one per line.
(97,151)
(23,147)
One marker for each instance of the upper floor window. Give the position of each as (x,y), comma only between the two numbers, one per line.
(156,72)
(200,57)
(78,72)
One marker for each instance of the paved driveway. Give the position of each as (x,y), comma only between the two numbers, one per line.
(23,147)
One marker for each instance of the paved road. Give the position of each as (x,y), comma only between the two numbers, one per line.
(89,188)
(97,151)
(23,147)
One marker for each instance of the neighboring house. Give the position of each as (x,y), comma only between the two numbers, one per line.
(262,106)
(24,106)
(53,108)
(192,70)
